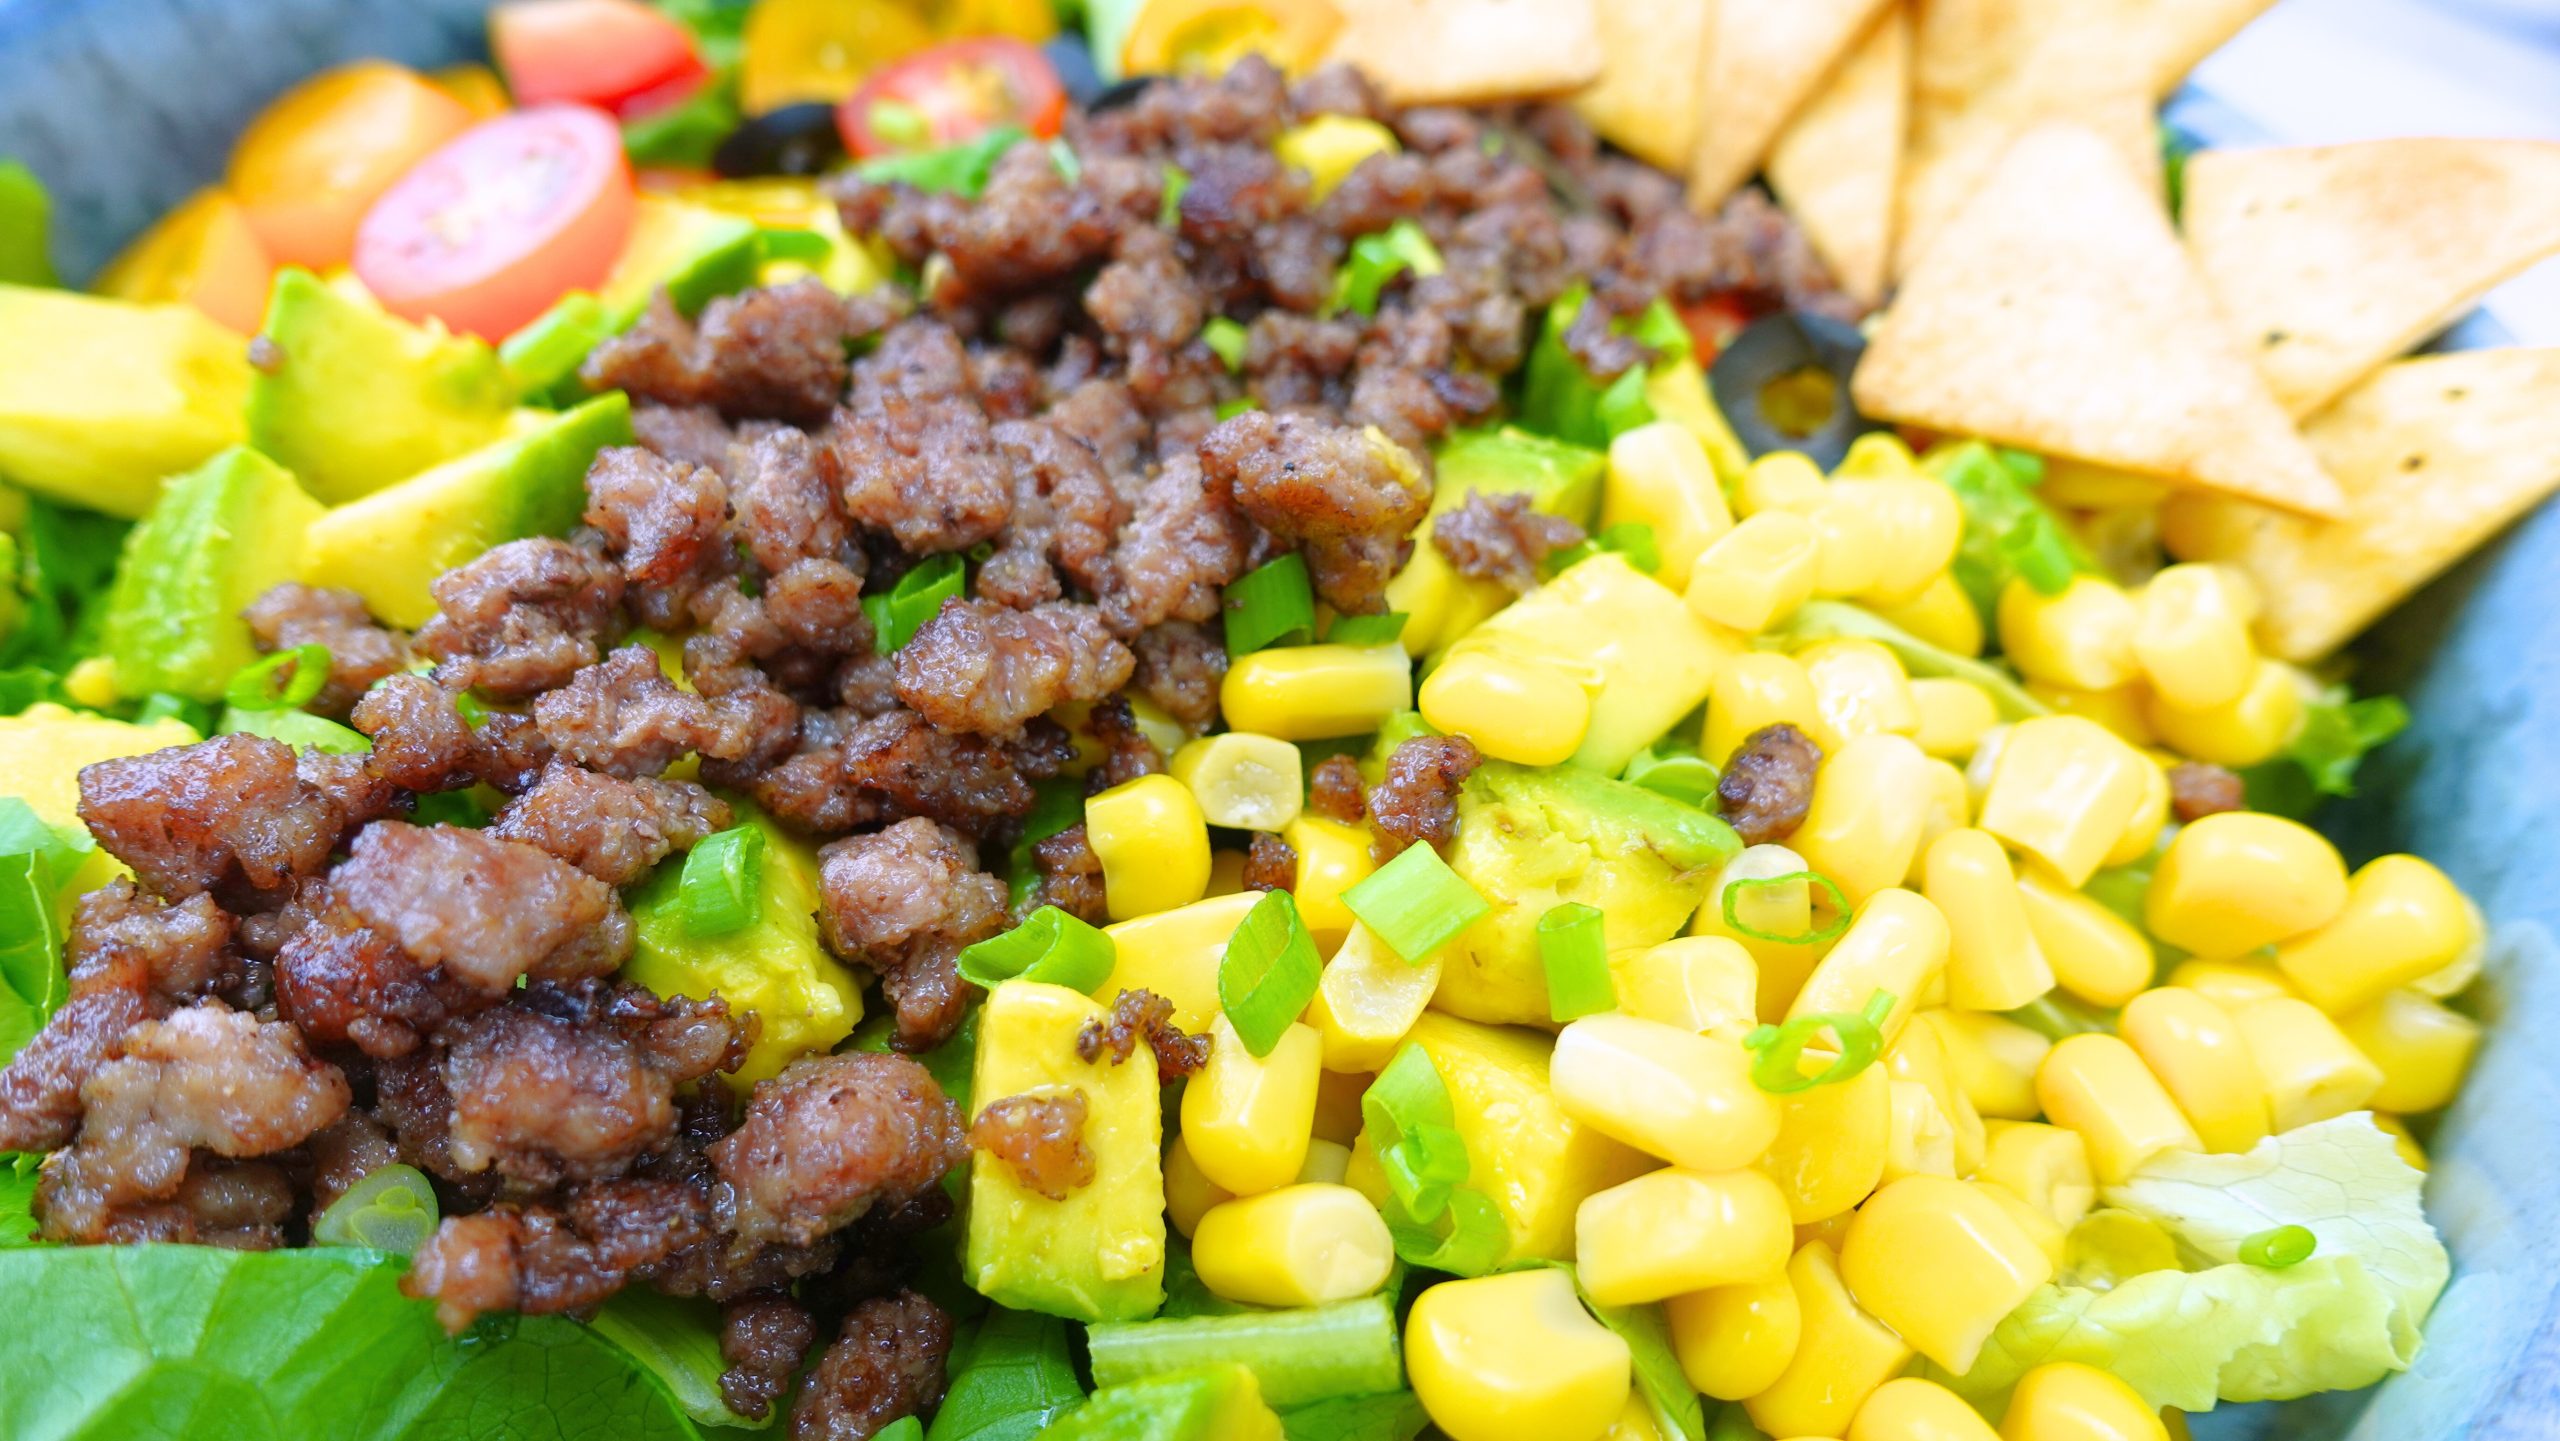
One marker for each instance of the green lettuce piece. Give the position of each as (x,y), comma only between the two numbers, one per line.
(678,1340)
(958,169)
(2337,732)
(25,211)
(1558,398)
(2008,533)
(18,1198)
(35,859)
(64,560)
(2229,1331)
(1834,619)
(1388,1416)
(1016,1376)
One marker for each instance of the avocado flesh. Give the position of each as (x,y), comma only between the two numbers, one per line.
(101,401)
(1531,838)
(218,538)
(1560,479)
(1208,1403)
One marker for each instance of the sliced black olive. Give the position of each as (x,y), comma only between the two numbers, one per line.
(1073,60)
(1784,385)
(794,140)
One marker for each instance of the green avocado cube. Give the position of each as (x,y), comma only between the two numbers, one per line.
(1208,1403)
(101,401)
(218,538)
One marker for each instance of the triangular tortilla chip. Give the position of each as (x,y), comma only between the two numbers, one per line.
(1762,59)
(1836,164)
(2058,313)
(1646,100)
(2335,259)
(2435,456)
(1460,52)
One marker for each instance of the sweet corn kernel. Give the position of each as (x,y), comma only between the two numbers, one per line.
(1910,1409)
(2096,954)
(1327,1161)
(1678,1230)
(1993,961)
(1831,1145)
(1994,1060)
(2142,833)
(92,682)
(1757,573)
(2098,1086)
(1332,858)
(1677,392)
(1226,873)
(2194,1048)
(1635,1422)
(1161,730)
(1954,715)
(2045,1166)
(1897,943)
(2043,1230)
(1300,1245)
(1153,844)
(2082,638)
(1659,476)
(1843,1356)
(1175,954)
(2311,1069)
(2066,1401)
(2192,638)
(1671,1093)
(1699,984)
(1948,807)
(2239,732)
(1247,781)
(1920,1056)
(1779,910)
(2402,1142)
(1920,1137)
(1368,998)
(1878,455)
(1756,689)
(2457,977)
(1870,799)
(1247,1117)
(2124,710)
(2423,1049)
(1733,1341)
(2236,881)
(1317,692)
(1514,707)
(2403,920)
(1514,1357)
(1858,689)
(2083,486)
(2063,790)
(1338,1096)
(2230,984)
(1188,1191)
(1923,525)
(1853,545)
(1330,147)
(1781,480)
(1830,1231)
(1941,614)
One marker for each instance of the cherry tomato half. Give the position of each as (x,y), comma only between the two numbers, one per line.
(1713,323)
(620,55)
(952,93)
(486,233)
(306,169)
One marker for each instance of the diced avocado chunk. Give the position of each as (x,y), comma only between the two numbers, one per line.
(1099,1254)
(388,546)
(1441,605)
(1531,838)
(357,398)
(775,968)
(42,749)
(101,401)
(1206,1403)
(694,251)
(219,537)
(542,359)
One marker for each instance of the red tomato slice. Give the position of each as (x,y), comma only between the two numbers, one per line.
(486,233)
(952,93)
(617,54)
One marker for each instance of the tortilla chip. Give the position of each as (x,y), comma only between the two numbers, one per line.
(2333,260)
(2059,314)
(1462,52)
(1763,59)
(1646,100)
(2436,455)
(1836,164)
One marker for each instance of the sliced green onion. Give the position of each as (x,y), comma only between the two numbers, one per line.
(1269,972)
(282,681)
(1777,1067)
(2280,1247)
(1470,1240)
(957,169)
(1268,604)
(1415,903)
(905,1428)
(917,597)
(721,888)
(1384,629)
(1169,206)
(1230,409)
(1739,891)
(1049,946)
(546,351)
(392,1209)
(1312,1353)
(299,729)
(468,706)
(1380,257)
(1413,1130)
(1671,769)
(1572,946)
(1056,804)
(1227,339)
(1069,164)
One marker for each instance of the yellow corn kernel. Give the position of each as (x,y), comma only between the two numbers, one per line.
(2401,1141)
(1910,1409)
(2403,921)
(2066,1401)
(1831,1145)
(1175,954)
(2098,1086)
(2242,731)
(1677,392)
(1756,689)
(1941,1262)
(1317,692)
(1853,547)
(1993,961)
(1226,874)
(1994,1060)
(1941,614)
(2082,638)
(1923,525)
(1870,800)
(1830,1231)
(1514,707)
(1188,1191)
(2236,881)
(1921,1056)
(1733,1341)
(1338,1096)
(1659,476)
(92,682)
(1896,943)
(1700,984)
(1635,1422)
(1920,1137)
(1858,689)
(2423,1049)
(2063,791)
(1367,1000)
(1330,147)
(1948,807)
(2045,1166)
(1153,844)
(1247,781)
(1954,715)
(2311,1069)
(1301,1245)
(1757,573)
(1514,1357)
(2192,638)
(2083,486)
(1327,1161)
(1671,1093)
(2194,1048)
(1878,455)
(1247,1117)
(1676,1230)
(2096,954)
(1778,910)
(2229,984)
(2123,710)
(1781,480)
(1843,1355)
(1167,734)
(1332,858)
(2150,818)
(1363,1174)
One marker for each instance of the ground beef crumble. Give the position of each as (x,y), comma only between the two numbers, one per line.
(1767,787)
(1040,1138)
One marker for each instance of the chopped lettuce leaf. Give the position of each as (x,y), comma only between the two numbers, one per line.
(960,169)
(18,1198)
(65,560)
(1558,398)
(2337,732)
(25,211)
(35,859)
(1832,619)
(2008,533)
(1016,1376)
(678,1340)
(683,135)
(1389,1416)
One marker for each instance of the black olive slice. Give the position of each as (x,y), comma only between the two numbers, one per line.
(794,140)
(1783,384)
